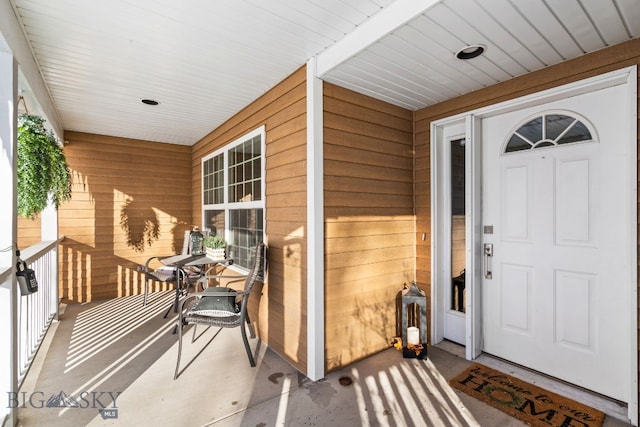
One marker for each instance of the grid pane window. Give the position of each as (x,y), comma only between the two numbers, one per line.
(234,208)
(548,130)
(214,221)
(246,232)
(213,180)
(245,169)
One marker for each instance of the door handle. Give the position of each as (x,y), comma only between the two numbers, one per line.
(488,252)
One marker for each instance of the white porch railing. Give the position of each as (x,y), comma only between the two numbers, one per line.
(37,310)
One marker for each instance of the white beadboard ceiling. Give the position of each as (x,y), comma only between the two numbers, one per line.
(205,60)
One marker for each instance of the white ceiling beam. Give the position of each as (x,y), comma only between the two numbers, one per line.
(16,42)
(379,25)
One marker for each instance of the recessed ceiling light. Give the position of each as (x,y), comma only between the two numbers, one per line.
(470,52)
(149,101)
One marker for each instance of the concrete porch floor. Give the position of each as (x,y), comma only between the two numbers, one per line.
(118,349)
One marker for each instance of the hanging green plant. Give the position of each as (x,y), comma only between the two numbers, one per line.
(42,168)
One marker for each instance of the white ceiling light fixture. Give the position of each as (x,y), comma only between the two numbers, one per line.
(471,51)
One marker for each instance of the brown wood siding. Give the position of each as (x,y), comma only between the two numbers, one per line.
(610,59)
(118,181)
(29,232)
(369,221)
(281,319)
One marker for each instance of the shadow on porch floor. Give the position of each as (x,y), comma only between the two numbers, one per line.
(119,350)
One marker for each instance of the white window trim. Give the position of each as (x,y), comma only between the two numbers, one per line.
(226,205)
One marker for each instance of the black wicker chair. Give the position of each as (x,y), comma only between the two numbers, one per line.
(181,278)
(223,307)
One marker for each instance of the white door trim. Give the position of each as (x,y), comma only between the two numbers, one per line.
(626,76)
(441,221)
(441,230)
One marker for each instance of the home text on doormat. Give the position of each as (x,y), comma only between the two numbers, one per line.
(526,402)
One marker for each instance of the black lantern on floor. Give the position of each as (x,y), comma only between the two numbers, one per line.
(414,323)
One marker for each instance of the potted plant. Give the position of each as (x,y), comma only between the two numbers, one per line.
(215,246)
(43,173)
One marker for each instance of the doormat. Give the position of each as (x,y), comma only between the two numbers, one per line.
(526,402)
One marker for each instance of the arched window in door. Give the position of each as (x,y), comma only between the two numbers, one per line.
(549,130)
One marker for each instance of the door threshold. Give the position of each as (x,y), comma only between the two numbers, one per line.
(609,406)
(451,347)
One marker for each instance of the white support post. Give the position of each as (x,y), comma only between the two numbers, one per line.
(8,237)
(315,226)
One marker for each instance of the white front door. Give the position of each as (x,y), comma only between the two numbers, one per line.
(557,219)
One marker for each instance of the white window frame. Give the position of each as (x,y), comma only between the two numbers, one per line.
(229,206)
